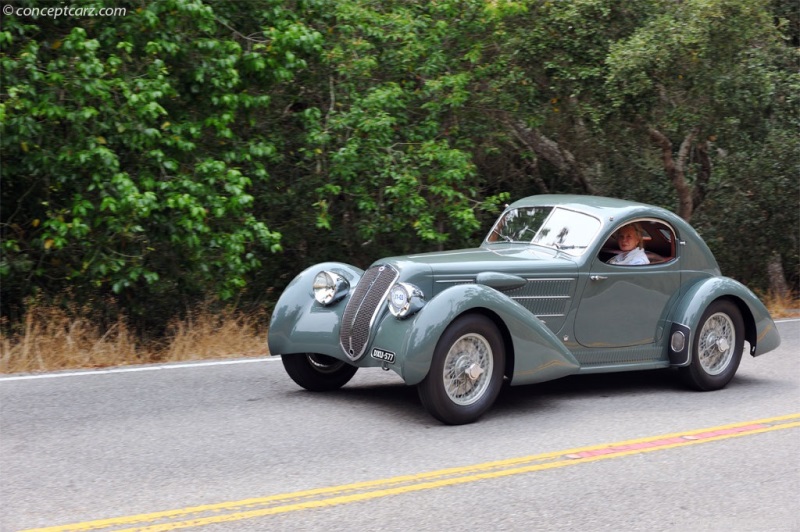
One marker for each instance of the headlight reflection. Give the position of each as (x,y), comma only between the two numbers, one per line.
(405,299)
(329,287)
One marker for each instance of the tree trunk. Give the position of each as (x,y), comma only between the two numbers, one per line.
(777,280)
(676,169)
(703,176)
(552,152)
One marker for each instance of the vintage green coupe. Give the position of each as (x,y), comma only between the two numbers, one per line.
(538,300)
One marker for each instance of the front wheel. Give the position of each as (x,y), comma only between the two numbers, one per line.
(717,348)
(318,373)
(466,371)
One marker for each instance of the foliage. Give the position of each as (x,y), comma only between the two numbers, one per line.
(129,149)
(193,149)
(388,141)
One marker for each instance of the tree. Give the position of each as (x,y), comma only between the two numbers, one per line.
(191,149)
(129,146)
(388,138)
(689,73)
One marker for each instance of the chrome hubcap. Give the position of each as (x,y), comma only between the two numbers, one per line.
(474,372)
(324,364)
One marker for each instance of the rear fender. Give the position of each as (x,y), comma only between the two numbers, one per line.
(760,330)
(536,353)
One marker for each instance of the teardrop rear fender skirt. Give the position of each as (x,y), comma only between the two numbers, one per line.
(760,330)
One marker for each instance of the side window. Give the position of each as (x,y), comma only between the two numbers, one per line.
(640,242)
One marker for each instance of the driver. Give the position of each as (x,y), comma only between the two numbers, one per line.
(630,239)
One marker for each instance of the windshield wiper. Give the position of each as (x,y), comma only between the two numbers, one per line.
(504,237)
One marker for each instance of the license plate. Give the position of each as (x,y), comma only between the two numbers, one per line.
(380,354)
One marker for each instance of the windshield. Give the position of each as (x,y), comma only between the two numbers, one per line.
(553,227)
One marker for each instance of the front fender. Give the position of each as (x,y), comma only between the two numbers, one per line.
(537,353)
(301,325)
(760,330)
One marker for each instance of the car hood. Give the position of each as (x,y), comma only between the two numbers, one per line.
(436,271)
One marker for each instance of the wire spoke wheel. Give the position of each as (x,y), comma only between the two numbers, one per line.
(466,371)
(716,343)
(468,368)
(717,348)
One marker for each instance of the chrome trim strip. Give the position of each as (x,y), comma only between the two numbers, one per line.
(529,279)
(383,304)
(541,297)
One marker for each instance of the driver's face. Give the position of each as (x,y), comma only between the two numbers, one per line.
(627,239)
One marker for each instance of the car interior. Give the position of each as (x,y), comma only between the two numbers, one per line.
(659,242)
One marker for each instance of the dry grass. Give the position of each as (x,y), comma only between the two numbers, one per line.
(782,306)
(211,335)
(53,339)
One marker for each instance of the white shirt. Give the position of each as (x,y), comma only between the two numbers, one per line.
(630,258)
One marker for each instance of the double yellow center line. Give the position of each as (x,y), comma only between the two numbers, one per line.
(362,491)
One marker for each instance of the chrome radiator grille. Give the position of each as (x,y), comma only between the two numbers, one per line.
(362,307)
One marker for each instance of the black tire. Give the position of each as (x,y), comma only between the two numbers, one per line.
(466,372)
(318,373)
(717,347)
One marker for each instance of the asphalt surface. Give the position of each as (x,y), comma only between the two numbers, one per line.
(80,447)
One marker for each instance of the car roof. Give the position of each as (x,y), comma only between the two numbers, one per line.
(606,209)
(613,211)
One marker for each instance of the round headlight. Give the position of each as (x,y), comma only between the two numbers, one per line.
(329,287)
(398,297)
(405,299)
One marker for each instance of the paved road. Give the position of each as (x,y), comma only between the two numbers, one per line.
(237,446)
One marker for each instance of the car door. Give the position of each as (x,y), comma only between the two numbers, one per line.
(624,306)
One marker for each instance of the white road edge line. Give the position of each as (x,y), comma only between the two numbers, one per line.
(173,365)
(133,369)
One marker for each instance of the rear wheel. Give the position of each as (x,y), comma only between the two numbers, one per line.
(466,371)
(318,373)
(717,348)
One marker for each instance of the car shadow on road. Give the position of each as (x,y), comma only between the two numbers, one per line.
(398,399)
(588,387)
(665,385)
(395,396)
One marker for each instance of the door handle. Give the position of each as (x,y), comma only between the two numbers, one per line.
(598,277)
